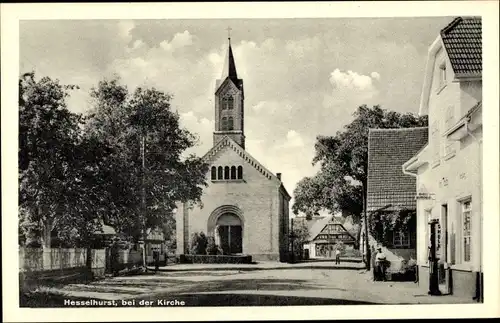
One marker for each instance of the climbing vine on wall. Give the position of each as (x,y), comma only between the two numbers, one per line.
(383,224)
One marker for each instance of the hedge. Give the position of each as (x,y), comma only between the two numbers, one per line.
(215,259)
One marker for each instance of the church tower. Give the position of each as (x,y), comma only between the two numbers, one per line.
(229,98)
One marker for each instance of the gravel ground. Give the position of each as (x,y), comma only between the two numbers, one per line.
(249,288)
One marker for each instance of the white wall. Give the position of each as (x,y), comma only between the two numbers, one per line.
(257,197)
(452,176)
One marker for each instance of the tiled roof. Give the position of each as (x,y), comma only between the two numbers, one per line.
(388,150)
(462,40)
(318,226)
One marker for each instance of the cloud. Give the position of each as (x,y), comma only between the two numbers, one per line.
(352,80)
(348,91)
(290,156)
(138,43)
(375,75)
(272,107)
(125,27)
(302,47)
(202,127)
(293,140)
(179,40)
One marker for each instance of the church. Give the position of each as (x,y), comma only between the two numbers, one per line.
(245,206)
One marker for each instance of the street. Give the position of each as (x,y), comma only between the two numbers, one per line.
(248,288)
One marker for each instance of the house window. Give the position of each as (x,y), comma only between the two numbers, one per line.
(401,239)
(442,74)
(214,173)
(233,172)
(226,172)
(230,123)
(220,173)
(240,172)
(466,230)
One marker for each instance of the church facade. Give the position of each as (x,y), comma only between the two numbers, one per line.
(245,206)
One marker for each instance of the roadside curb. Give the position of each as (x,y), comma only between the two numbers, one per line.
(254,268)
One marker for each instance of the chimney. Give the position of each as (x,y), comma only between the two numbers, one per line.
(278,175)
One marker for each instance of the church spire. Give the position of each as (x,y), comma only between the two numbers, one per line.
(229,69)
(229,102)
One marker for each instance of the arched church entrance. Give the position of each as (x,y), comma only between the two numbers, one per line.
(226,224)
(230,233)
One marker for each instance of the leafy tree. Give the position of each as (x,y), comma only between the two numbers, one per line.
(351,226)
(340,184)
(383,224)
(89,193)
(64,190)
(300,234)
(138,124)
(48,134)
(169,231)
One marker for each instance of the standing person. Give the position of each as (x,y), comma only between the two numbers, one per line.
(337,256)
(380,263)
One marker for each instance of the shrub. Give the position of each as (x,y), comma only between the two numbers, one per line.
(212,247)
(199,244)
(216,259)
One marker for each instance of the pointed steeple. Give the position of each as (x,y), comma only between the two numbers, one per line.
(229,102)
(229,65)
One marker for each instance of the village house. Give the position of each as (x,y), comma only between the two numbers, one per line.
(327,234)
(391,194)
(155,241)
(245,206)
(448,169)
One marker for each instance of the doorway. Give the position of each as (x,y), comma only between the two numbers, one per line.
(230,232)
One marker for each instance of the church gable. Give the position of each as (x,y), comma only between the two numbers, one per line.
(228,87)
(214,157)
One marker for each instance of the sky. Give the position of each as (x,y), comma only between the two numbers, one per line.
(302,77)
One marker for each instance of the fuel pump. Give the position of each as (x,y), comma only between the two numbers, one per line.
(433,260)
